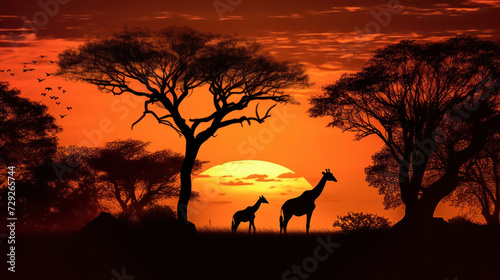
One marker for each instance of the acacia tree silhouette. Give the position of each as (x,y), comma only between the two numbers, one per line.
(414,96)
(166,66)
(134,177)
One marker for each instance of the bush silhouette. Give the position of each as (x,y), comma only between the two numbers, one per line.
(460,221)
(157,214)
(357,222)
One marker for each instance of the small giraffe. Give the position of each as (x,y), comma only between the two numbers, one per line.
(247,215)
(303,204)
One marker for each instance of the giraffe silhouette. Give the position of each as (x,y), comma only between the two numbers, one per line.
(303,204)
(247,215)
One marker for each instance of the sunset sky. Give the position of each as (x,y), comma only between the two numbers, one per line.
(328,37)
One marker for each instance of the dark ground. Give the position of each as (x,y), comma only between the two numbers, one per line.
(165,252)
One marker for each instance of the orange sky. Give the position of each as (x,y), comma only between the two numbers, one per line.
(321,34)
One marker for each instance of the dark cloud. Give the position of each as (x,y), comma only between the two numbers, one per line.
(203,176)
(220,202)
(235,183)
(289,175)
(286,193)
(256,176)
(260,178)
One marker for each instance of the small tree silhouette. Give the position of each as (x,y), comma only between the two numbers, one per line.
(134,177)
(166,66)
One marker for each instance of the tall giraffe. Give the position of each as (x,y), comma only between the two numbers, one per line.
(247,215)
(303,204)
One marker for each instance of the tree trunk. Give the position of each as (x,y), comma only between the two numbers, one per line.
(492,220)
(192,149)
(418,216)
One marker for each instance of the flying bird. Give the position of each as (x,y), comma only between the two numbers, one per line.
(57,103)
(25,70)
(43,93)
(31,69)
(8,70)
(12,74)
(62,116)
(48,74)
(59,87)
(34,61)
(64,91)
(40,80)
(53,61)
(43,56)
(48,88)
(69,108)
(2,71)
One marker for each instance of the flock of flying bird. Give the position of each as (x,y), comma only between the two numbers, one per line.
(40,80)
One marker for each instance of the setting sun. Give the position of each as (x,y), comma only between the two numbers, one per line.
(232,186)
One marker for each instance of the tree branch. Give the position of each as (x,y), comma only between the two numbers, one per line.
(161,120)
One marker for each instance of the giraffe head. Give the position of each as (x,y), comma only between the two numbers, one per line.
(329,176)
(262,199)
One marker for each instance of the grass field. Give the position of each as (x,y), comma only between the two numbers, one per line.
(111,250)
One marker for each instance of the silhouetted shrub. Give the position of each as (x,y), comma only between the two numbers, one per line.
(460,221)
(354,222)
(158,214)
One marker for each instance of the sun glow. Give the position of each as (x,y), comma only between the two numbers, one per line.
(226,188)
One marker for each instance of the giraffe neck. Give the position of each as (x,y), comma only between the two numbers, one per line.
(319,188)
(256,206)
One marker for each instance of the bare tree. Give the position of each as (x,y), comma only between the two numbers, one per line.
(167,66)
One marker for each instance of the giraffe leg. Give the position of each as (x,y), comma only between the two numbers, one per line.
(253,225)
(235,227)
(250,226)
(284,223)
(308,223)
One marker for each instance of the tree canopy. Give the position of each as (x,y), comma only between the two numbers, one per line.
(165,66)
(28,141)
(28,134)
